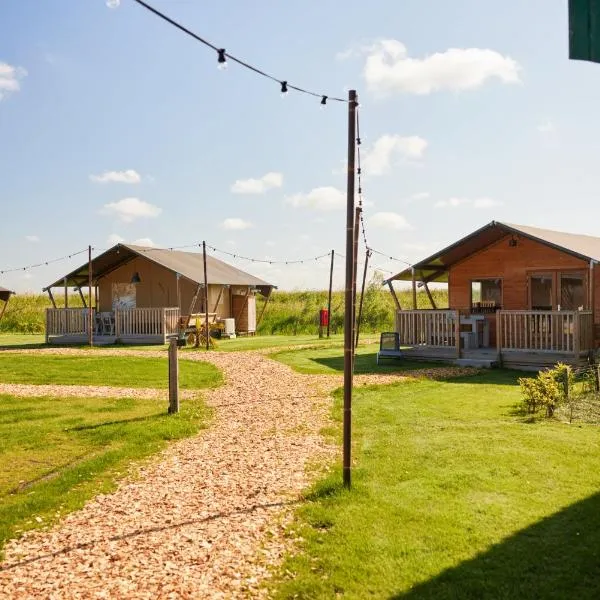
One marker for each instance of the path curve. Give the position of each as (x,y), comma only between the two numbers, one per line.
(205,520)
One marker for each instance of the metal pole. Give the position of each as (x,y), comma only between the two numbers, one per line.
(362,295)
(330,290)
(205,296)
(90,320)
(348,298)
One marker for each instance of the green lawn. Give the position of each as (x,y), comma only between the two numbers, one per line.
(120,371)
(330,360)
(21,339)
(58,452)
(455,496)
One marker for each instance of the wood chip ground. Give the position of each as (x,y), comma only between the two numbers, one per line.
(206,519)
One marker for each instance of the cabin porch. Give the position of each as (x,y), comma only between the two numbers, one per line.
(129,326)
(520,339)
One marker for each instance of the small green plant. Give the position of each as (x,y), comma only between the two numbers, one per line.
(548,390)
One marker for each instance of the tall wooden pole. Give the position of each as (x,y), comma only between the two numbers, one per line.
(414,288)
(348,297)
(205,297)
(330,290)
(90,316)
(362,296)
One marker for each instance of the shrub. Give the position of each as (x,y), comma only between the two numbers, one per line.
(548,390)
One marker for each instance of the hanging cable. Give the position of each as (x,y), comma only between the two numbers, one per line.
(223,55)
(42,264)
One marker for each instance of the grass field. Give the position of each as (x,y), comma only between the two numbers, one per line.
(119,371)
(454,496)
(330,360)
(58,452)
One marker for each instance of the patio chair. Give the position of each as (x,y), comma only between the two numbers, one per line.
(389,346)
(108,324)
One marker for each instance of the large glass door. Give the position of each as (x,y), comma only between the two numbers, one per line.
(572,291)
(541,288)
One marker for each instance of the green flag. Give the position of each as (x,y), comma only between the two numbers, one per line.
(584,30)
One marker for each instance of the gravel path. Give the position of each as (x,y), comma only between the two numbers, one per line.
(207,519)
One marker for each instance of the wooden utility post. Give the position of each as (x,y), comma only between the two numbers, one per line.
(330,290)
(173,377)
(90,316)
(348,297)
(362,296)
(205,297)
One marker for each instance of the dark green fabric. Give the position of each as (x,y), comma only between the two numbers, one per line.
(584,30)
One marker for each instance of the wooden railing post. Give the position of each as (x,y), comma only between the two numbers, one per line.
(117,324)
(576,339)
(456,320)
(499,324)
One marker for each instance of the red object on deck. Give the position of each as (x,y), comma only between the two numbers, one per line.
(324,317)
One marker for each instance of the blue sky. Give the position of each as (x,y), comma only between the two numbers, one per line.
(113,125)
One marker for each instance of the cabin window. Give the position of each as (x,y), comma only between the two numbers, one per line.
(572,291)
(486,295)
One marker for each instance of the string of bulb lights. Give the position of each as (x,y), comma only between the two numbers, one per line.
(223,56)
(43,263)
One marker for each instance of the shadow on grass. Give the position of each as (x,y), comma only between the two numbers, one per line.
(556,558)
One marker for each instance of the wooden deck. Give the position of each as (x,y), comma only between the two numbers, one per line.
(526,340)
(131,326)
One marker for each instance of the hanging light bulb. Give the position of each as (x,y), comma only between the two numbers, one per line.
(284,89)
(222,59)
(323,102)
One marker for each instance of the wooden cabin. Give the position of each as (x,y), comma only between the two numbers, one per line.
(518,296)
(144,295)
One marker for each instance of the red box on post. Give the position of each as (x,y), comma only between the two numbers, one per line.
(324,317)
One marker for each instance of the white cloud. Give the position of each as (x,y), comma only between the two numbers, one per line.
(321,198)
(144,242)
(130,209)
(378,159)
(454,202)
(419,196)
(486,203)
(388,68)
(32,238)
(547,127)
(128,176)
(389,220)
(235,224)
(114,238)
(9,79)
(113,3)
(270,243)
(258,186)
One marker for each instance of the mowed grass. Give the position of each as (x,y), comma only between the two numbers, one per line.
(56,453)
(116,371)
(330,360)
(454,496)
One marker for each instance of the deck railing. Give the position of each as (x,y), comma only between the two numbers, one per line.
(67,321)
(128,323)
(545,331)
(436,328)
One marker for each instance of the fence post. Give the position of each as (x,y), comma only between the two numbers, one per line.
(173,377)
(597,378)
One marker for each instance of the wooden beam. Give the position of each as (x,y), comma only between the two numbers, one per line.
(243,306)
(4,308)
(432,276)
(218,298)
(414,289)
(262,312)
(433,305)
(82,297)
(51,297)
(66,293)
(193,305)
(394,296)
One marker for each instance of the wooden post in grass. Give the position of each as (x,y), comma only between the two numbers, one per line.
(596,378)
(173,377)
(90,315)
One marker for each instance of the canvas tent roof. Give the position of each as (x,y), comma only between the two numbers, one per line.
(187,264)
(435,267)
(5,294)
